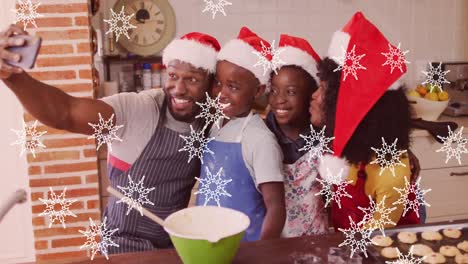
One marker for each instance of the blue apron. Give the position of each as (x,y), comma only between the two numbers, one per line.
(244,196)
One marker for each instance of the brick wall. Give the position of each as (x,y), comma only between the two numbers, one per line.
(69,160)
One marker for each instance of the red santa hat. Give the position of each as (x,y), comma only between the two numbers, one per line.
(356,97)
(298,51)
(196,48)
(241,51)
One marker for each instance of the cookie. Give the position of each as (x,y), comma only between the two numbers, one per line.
(431,236)
(421,250)
(452,233)
(390,252)
(449,251)
(434,258)
(382,241)
(463,246)
(461,259)
(407,237)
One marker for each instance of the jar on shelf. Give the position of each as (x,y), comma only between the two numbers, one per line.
(146,76)
(156,75)
(163,75)
(138,77)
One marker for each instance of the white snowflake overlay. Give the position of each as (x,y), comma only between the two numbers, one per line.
(95,232)
(395,58)
(135,190)
(216,7)
(380,211)
(210,105)
(263,60)
(196,144)
(350,63)
(435,76)
(449,142)
(27,13)
(327,187)
(418,200)
(359,242)
(105,132)
(28,138)
(213,186)
(388,157)
(316,144)
(50,207)
(406,259)
(119,23)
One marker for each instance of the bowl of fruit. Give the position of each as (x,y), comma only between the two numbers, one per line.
(428,101)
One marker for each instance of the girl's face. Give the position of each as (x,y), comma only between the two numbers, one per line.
(289,97)
(316,106)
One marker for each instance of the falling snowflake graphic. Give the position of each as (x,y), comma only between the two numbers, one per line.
(415,190)
(356,237)
(376,216)
(435,76)
(136,195)
(350,63)
(449,142)
(213,186)
(327,187)
(406,259)
(207,109)
(269,52)
(120,23)
(28,138)
(105,132)
(316,144)
(27,13)
(196,144)
(50,207)
(216,7)
(395,58)
(388,157)
(95,232)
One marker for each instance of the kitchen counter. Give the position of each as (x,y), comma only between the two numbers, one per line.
(278,251)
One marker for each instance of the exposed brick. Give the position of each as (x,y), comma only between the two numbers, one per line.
(54,155)
(34,170)
(72,167)
(36,195)
(90,153)
(55,182)
(45,258)
(84,47)
(68,242)
(82,21)
(64,8)
(92,178)
(53,75)
(51,130)
(37,209)
(41,244)
(82,192)
(65,34)
(68,142)
(43,22)
(85,74)
(93,204)
(38,221)
(79,87)
(56,49)
(84,217)
(64,61)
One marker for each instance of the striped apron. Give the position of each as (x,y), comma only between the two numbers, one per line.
(164,168)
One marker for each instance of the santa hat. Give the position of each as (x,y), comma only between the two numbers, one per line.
(241,51)
(196,48)
(356,97)
(297,51)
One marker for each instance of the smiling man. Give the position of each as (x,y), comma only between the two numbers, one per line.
(152,124)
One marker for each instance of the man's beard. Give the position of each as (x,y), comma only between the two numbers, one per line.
(187,118)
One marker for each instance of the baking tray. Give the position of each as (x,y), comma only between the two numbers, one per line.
(374,251)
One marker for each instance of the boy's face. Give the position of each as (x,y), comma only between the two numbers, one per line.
(238,87)
(317,117)
(290,96)
(185,85)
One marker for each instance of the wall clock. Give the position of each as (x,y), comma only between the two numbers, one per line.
(155,22)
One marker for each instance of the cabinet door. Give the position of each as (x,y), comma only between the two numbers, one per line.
(449,195)
(425,149)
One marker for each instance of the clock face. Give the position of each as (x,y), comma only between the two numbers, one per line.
(155,22)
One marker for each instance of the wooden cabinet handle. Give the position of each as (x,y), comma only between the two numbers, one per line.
(459,173)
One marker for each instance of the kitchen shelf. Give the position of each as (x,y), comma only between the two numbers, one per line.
(109,60)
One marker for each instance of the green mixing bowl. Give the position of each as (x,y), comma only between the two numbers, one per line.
(206,234)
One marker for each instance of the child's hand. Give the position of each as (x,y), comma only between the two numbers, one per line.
(414,166)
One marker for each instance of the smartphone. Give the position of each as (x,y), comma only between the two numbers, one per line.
(28,51)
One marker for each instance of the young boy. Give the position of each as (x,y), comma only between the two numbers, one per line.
(289,117)
(247,158)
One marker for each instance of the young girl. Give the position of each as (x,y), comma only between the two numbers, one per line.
(359,111)
(289,117)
